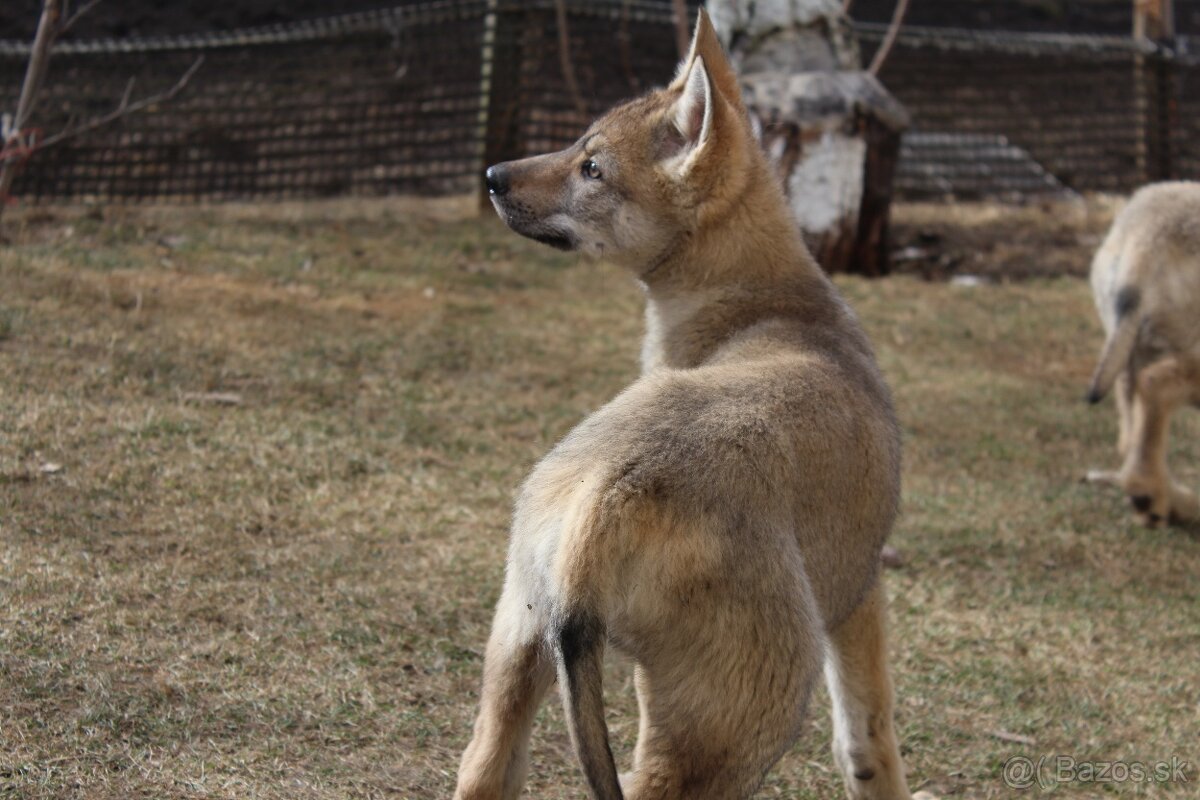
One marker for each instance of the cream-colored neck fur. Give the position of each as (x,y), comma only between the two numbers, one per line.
(693,300)
(666,318)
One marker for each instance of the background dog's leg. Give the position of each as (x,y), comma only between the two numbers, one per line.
(517,671)
(1123,394)
(864,741)
(1160,389)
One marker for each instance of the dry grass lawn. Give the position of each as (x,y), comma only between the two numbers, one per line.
(256,466)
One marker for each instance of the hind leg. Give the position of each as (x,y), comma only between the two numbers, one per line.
(721,707)
(1159,390)
(864,741)
(517,671)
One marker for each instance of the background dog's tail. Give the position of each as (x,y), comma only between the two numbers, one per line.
(580,652)
(1119,347)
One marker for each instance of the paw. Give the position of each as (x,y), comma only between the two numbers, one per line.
(1151,510)
(865,782)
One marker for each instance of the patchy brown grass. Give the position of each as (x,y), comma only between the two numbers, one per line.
(284,593)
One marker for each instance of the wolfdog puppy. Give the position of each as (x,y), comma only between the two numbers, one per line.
(721,520)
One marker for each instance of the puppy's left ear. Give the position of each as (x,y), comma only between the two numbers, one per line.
(693,112)
(706,46)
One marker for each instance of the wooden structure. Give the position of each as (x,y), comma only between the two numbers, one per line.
(835,139)
(1154,88)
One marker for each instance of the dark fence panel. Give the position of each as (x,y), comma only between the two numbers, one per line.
(1112,17)
(398,100)
(1011,113)
(618,50)
(365,104)
(417,98)
(1079,16)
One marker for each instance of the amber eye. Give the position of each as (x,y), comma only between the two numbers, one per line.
(590,169)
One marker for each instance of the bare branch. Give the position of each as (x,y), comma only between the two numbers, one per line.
(846,6)
(39,61)
(71,20)
(128,93)
(125,108)
(564,56)
(885,47)
(15,147)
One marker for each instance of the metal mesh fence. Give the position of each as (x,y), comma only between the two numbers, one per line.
(367,104)
(417,98)
(1012,113)
(1105,17)
(617,50)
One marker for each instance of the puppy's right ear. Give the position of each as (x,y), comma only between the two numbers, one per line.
(721,75)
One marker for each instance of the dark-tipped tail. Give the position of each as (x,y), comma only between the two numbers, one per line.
(580,651)
(1119,347)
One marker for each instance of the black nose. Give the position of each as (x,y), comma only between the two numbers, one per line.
(497,180)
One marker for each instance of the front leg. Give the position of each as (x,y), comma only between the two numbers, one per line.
(864,739)
(1123,394)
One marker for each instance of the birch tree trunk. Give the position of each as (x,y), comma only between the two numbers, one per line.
(785,35)
(831,129)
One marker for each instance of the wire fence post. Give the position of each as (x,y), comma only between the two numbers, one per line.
(1167,117)
(487,54)
(1155,87)
(504,86)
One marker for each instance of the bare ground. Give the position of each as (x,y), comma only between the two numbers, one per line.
(1000,242)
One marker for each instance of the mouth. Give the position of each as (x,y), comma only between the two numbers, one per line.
(520,219)
(559,241)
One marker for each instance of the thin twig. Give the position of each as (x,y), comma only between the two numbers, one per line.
(128,93)
(66,26)
(885,46)
(39,61)
(125,107)
(564,56)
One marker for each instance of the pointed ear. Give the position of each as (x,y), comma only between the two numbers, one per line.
(707,46)
(693,113)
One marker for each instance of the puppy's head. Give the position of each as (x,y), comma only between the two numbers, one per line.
(645,175)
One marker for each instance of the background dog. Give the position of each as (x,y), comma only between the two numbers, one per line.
(1146,281)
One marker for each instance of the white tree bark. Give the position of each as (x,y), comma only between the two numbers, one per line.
(785,35)
(765,15)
